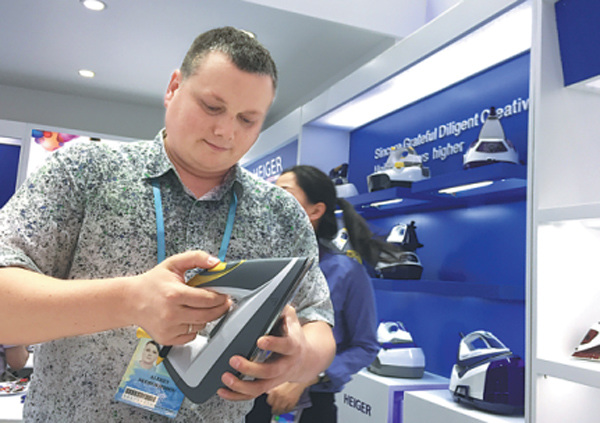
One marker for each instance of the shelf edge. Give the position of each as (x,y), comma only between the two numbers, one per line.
(574,212)
(452,289)
(573,373)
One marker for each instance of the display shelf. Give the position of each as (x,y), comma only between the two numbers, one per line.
(450,288)
(374,398)
(561,400)
(509,182)
(438,406)
(566,279)
(579,212)
(11,408)
(564,231)
(495,172)
(578,371)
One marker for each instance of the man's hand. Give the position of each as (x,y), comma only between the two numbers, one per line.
(159,301)
(297,356)
(285,397)
(170,311)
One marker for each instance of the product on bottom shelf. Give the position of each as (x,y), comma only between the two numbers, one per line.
(589,347)
(403,167)
(487,375)
(405,264)
(339,177)
(398,355)
(491,146)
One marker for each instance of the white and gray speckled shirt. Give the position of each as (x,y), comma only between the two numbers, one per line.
(89,213)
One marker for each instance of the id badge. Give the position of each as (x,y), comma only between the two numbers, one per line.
(146,383)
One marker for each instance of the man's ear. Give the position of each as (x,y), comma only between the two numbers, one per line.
(316,211)
(173,86)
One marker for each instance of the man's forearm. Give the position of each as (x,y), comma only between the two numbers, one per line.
(50,308)
(158,300)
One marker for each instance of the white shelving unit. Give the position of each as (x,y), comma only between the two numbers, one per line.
(564,235)
(11,409)
(438,406)
(373,398)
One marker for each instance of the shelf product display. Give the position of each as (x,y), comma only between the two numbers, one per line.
(589,347)
(491,146)
(339,177)
(399,356)
(403,167)
(565,211)
(472,221)
(488,375)
(468,217)
(405,264)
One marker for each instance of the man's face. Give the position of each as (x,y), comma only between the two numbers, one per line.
(214,116)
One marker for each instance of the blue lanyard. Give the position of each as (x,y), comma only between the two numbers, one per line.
(160,224)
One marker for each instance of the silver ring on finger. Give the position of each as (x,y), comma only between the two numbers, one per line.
(190,329)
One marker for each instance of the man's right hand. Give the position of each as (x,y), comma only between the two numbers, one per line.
(170,311)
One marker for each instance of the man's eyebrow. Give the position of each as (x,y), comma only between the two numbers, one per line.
(214,97)
(248,112)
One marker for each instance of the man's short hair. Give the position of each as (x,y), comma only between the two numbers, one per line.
(242,48)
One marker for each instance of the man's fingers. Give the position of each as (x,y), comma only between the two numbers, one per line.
(206,300)
(271,370)
(190,260)
(228,395)
(241,390)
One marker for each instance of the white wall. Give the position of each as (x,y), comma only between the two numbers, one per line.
(80,113)
(324,148)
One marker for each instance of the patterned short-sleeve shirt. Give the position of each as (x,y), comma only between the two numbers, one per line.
(89,213)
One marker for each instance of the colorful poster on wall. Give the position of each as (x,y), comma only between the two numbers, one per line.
(44,142)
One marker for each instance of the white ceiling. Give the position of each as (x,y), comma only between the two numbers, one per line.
(134,45)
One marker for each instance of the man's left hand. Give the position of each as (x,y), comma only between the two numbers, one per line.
(297,356)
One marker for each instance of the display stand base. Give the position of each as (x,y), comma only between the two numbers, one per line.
(438,406)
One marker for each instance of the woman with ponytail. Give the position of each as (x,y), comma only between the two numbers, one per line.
(351,293)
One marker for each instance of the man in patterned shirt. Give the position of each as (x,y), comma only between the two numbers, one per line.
(79,241)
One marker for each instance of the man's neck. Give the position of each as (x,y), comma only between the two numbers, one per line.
(198,185)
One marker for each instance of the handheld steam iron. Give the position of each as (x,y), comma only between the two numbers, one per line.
(262,288)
